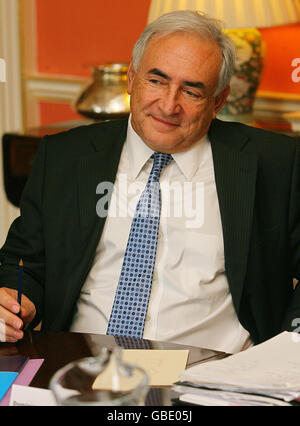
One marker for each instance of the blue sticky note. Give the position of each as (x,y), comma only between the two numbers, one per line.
(6,380)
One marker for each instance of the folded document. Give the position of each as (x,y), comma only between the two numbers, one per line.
(265,374)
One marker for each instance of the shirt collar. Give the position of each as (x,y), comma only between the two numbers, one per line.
(190,160)
(139,153)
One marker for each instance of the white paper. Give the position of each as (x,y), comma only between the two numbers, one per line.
(272,368)
(228,401)
(220,398)
(30,396)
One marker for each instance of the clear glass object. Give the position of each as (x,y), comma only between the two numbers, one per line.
(102,380)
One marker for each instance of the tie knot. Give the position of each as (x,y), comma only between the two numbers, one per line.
(161,160)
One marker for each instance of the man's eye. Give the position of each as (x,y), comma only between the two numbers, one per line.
(154,81)
(192,94)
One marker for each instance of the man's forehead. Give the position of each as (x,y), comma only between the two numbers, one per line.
(175,40)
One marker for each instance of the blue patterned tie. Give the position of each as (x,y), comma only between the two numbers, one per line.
(130,306)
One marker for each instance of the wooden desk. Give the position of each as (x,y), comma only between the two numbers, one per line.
(60,348)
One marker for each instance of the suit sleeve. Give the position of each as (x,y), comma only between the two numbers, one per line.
(25,239)
(293,311)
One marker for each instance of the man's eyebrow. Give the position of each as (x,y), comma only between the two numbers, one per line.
(159,73)
(195,84)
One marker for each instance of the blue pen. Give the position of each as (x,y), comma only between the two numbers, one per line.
(20,277)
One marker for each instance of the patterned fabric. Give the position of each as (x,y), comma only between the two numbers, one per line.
(132,296)
(132,342)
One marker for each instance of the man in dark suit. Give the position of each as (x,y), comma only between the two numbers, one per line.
(240,262)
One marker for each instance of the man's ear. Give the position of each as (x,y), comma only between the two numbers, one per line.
(220,100)
(130,77)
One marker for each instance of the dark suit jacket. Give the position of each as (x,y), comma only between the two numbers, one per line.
(258,184)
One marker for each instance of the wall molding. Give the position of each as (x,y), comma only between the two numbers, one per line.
(57,89)
(51,89)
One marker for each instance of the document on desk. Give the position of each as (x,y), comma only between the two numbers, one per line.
(271,369)
(31,397)
(162,366)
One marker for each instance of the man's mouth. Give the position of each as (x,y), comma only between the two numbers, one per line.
(165,121)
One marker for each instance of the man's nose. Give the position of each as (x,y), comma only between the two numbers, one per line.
(170,102)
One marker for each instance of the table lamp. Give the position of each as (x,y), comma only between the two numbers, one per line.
(241,19)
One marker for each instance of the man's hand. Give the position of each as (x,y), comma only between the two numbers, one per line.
(10,323)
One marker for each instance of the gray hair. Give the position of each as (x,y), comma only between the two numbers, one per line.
(190,21)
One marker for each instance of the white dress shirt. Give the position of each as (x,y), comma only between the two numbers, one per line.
(190,301)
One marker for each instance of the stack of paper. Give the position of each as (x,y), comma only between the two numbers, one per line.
(266,374)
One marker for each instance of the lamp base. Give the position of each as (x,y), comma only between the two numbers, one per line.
(247,73)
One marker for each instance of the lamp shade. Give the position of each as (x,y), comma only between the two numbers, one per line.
(235,13)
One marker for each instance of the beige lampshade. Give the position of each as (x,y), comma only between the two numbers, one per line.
(235,13)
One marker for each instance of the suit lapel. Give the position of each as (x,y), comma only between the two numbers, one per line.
(98,168)
(235,174)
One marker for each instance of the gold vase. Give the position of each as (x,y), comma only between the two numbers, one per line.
(105,97)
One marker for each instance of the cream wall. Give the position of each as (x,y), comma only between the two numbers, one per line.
(10,96)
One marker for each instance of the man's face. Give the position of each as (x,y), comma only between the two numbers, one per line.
(172,92)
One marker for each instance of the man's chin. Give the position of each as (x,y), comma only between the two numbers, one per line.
(168,147)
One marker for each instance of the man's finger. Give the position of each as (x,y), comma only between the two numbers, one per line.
(8,333)
(8,299)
